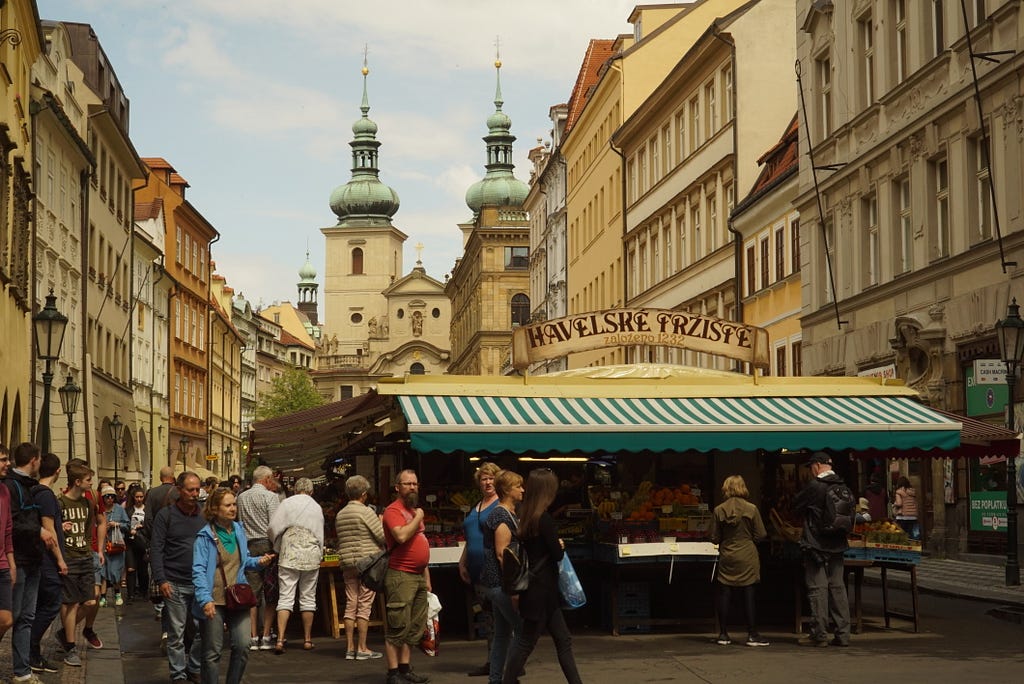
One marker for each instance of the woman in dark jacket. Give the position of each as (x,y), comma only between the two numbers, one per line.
(539,604)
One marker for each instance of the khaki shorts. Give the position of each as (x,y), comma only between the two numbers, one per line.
(257,547)
(405,597)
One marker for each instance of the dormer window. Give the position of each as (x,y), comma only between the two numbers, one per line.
(638,31)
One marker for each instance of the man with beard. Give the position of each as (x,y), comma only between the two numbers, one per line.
(407,580)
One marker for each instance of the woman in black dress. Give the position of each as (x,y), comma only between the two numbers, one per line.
(540,605)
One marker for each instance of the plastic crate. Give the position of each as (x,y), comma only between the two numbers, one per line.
(855,553)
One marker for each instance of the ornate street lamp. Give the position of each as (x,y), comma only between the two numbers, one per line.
(228,452)
(1011,350)
(70,393)
(183,443)
(49,325)
(115,436)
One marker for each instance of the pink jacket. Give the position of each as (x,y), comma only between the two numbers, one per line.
(905,503)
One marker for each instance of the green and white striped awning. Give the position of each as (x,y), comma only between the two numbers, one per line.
(496,424)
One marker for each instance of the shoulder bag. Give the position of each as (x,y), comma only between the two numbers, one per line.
(372,569)
(238,596)
(515,565)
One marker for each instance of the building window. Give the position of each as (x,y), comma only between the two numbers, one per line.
(641,163)
(517,258)
(666,149)
(655,152)
(867,58)
(356,318)
(712,224)
(727,103)
(698,242)
(979,12)
(435,312)
(938,29)
(824,76)
(417,369)
(765,261)
(357,261)
(751,269)
(780,360)
(695,129)
(830,258)
(780,253)
(900,40)
(794,244)
(797,353)
(869,207)
(345,392)
(520,310)
(177,244)
(681,136)
(631,176)
(983,215)
(940,183)
(711,103)
(905,230)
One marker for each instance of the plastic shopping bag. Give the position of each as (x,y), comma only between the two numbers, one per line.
(432,634)
(569,586)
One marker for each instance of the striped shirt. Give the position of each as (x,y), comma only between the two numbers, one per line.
(256,506)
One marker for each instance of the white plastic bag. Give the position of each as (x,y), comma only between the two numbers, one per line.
(432,632)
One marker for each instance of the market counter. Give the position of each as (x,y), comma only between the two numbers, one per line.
(625,558)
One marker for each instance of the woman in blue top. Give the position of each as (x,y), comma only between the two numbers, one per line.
(222,544)
(114,566)
(501,525)
(472,561)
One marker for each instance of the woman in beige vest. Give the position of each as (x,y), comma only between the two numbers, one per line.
(360,534)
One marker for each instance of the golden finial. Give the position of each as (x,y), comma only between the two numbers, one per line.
(366,69)
(497,52)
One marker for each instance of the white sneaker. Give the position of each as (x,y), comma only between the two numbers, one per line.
(254,643)
(266,643)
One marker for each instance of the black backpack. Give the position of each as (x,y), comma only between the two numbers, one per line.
(837,517)
(25,522)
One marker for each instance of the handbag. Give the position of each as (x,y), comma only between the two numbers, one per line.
(372,569)
(515,566)
(115,542)
(238,596)
(569,586)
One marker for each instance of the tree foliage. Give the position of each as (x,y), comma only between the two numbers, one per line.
(291,391)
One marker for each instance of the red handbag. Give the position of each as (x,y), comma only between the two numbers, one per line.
(237,596)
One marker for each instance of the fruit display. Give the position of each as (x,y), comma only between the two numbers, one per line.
(650,513)
(881,532)
(464,497)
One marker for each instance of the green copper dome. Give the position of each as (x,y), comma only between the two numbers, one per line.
(499,188)
(307,273)
(364,196)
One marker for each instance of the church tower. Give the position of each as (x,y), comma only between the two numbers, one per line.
(308,290)
(364,248)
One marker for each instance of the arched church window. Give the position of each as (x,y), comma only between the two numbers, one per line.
(357,261)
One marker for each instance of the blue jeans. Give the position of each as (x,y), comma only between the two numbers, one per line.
(177,612)
(212,630)
(47,607)
(507,623)
(526,641)
(23,595)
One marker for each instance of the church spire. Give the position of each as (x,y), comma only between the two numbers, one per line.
(365,196)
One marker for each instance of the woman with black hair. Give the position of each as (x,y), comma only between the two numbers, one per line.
(539,604)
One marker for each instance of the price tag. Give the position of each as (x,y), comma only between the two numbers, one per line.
(667,509)
(695,491)
(673,548)
(625,551)
(617,515)
(616,495)
(464,509)
(431,498)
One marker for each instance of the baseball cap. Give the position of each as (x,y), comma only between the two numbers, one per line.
(819,457)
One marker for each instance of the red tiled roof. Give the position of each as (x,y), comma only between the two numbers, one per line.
(598,52)
(148,210)
(781,158)
(178,180)
(157,163)
(290,340)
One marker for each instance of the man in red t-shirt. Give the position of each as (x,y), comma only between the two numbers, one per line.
(407,580)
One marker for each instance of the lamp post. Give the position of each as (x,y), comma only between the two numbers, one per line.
(1011,350)
(183,443)
(49,325)
(69,396)
(115,436)
(228,452)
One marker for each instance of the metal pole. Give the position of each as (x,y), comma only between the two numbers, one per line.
(44,419)
(71,435)
(1012,565)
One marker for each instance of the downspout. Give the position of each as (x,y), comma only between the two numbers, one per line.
(32,425)
(209,342)
(83,238)
(158,267)
(737,238)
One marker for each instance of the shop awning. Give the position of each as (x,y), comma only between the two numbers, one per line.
(563,424)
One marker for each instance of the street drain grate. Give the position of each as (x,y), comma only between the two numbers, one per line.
(1008,613)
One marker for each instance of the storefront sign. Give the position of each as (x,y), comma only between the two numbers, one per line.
(985,397)
(988,511)
(627,327)
(989,372)
(888,371)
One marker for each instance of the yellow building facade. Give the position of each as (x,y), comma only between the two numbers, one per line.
(20,46)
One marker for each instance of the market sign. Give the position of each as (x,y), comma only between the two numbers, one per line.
(988,511)
(986,388)
(626,327)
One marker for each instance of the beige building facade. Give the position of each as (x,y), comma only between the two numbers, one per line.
(596,267)
(908,231)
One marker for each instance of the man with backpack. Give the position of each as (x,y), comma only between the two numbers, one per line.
(827,506)
(30,539)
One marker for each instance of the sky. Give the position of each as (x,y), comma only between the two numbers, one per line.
(252,102)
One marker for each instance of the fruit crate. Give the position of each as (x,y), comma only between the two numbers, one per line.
(855,553)
(893,553)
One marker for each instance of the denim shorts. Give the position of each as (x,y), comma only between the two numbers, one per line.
(6,601)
